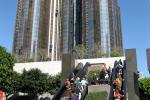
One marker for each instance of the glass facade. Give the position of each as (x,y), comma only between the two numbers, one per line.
(95,23)
(90,35)
(72,24)
(21,27)
(75,14)
(54,30)
(35,29)
(49,28)
(66,27)
(105,32)
(78,22)
(104,26)
(31,30)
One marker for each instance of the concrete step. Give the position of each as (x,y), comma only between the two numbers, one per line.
(98,88)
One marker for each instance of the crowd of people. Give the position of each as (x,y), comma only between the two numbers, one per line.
(117,82)
(74,88)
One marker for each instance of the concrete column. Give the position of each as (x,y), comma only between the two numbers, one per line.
(68,64)
(132,78)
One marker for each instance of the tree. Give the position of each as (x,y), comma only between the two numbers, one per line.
(92,73)
(81,51)
(6,71)
(42,55)
(96,53)
(144,87)
(115,54)
(54,83)
(16,82)
(33,82)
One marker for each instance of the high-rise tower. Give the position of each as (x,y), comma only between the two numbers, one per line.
(31,30)
(104,26)
(67,39)
(73,21)
(94,23)
(47,28)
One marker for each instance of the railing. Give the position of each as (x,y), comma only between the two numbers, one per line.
(113,77)
(124,81)
(111,95)
(81,73)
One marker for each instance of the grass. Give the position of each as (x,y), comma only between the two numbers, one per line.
(97,96)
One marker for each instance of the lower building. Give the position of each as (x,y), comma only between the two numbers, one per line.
(148,59)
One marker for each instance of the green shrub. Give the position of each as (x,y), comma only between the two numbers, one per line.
(144,87)
(97,96)
(91,74)
(115,54)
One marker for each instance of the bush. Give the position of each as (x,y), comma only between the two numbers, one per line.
(115,54)
(6,71)
(35,82)
(81,52)
(144,87)
(55,83)
(91,74)
(97,96)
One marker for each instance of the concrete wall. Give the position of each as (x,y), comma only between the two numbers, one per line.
(50,67)
(54,67)
(107,61)
(132,75)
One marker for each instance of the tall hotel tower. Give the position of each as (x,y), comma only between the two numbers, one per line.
(104,26)
(37,28)
(94,23)
(45,29)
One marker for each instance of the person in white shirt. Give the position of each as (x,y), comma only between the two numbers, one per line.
(84,83)
(106,76)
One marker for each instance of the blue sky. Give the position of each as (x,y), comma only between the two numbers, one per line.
(135,16)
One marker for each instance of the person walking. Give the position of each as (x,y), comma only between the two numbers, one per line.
(83,84)
(67,84)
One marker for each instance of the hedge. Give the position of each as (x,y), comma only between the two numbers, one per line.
(97,96)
